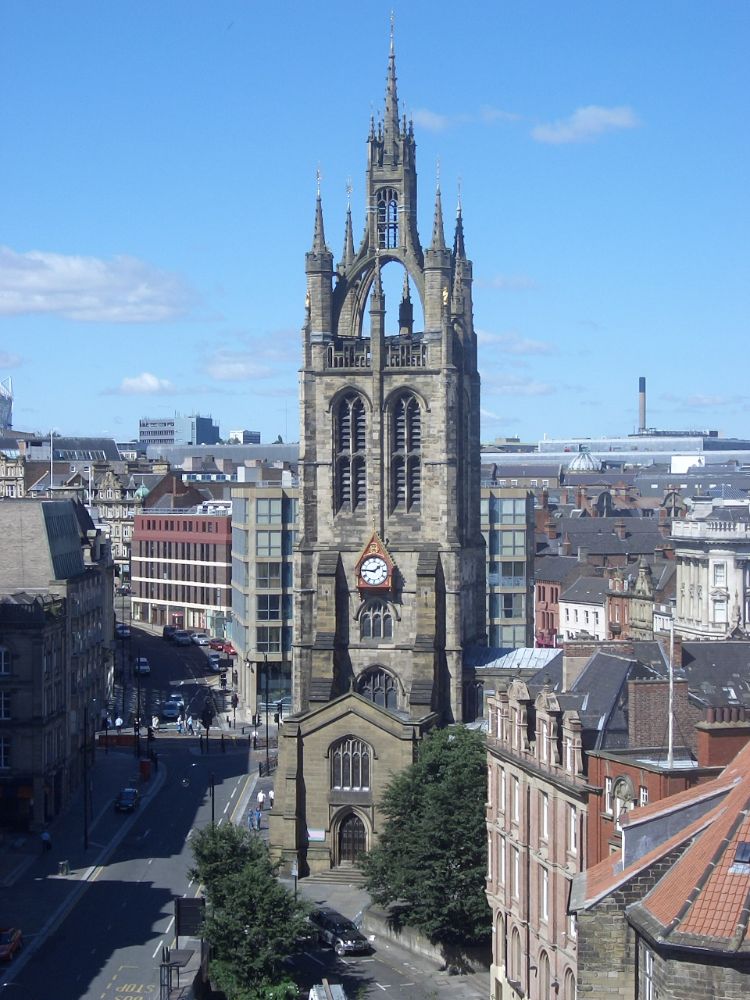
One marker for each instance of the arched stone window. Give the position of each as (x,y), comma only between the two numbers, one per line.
(350,446)
(351,765)
(380,687)
(376,621)
(406,453)
(516,956)
(387,219)
(544,975)
(569,985)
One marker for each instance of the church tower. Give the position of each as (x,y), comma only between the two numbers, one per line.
(390,565)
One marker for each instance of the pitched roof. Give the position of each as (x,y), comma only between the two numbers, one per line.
(555,569)
(586,590)
(703,898)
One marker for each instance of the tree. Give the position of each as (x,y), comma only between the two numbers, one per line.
(430,862)
(252,921)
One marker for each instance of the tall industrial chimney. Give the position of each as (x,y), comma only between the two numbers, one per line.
(642,405)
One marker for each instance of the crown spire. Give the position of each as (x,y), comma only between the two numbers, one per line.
(319,236)
(459,250)
(348,234)
(438,234)
(391,126)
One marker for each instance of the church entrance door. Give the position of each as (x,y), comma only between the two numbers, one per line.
(352,839)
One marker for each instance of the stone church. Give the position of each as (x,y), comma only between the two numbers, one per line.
(389,572)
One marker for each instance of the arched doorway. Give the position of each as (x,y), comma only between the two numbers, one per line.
(352,839)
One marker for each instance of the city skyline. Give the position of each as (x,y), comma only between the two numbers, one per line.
(160,177)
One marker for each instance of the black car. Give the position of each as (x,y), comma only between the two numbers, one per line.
(338,932)
(168,632)
(127,800)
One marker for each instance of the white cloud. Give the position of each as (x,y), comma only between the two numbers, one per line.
(9,360)
(237,366)
(516,385)
(121,290)
(702,401)
(144,384)
(585,123)
(433,121)
(514,343)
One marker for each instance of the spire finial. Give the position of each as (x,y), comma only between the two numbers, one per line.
(349,189)
(437,174)
(318,177)
(438,234)
(319,239)
(459,197)
(391,126)
(459,250)
(393,25)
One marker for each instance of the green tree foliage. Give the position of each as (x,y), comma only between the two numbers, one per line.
(252,921)
(431,858)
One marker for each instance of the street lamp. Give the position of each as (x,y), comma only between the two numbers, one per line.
(265,671)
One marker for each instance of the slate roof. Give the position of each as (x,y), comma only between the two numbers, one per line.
(718,672)
(586,590)
(555,569)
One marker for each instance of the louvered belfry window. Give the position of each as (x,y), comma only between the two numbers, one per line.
(406,453)
(351,442)
(387,219)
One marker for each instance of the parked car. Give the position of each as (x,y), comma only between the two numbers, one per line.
(11,942)
(122,631)
(181,637)
(199,638)
(168,632)
(223,646)
(214,662)
(338,932)
(141,665)
(170,711)
(127,800)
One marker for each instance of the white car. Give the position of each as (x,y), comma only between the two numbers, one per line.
(170,711)
(200,638)
(122,631)
(141,665)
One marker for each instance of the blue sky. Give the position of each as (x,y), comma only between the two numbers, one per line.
(158,181)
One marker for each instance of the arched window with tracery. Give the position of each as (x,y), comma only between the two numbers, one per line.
(379,687)
(351,765)
(406,453)
(376,621)
(350,445)
(387,219)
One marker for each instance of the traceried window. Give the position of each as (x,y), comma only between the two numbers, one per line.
(350,445)
(350,765)
(376,621)
(406,453)
(380,687)
(387,219)
(4,660)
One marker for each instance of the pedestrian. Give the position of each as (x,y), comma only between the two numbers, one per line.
(155,723)
(270,799)
(255,741)
(190,725)
(261,800)
(179,725)
(118,724)
(251,819)
(258,817)
(46,840)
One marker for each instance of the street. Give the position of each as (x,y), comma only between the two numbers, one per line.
(101,938)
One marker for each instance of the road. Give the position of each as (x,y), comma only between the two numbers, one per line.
(108,946)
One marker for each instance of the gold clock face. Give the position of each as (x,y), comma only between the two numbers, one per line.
(374,571)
